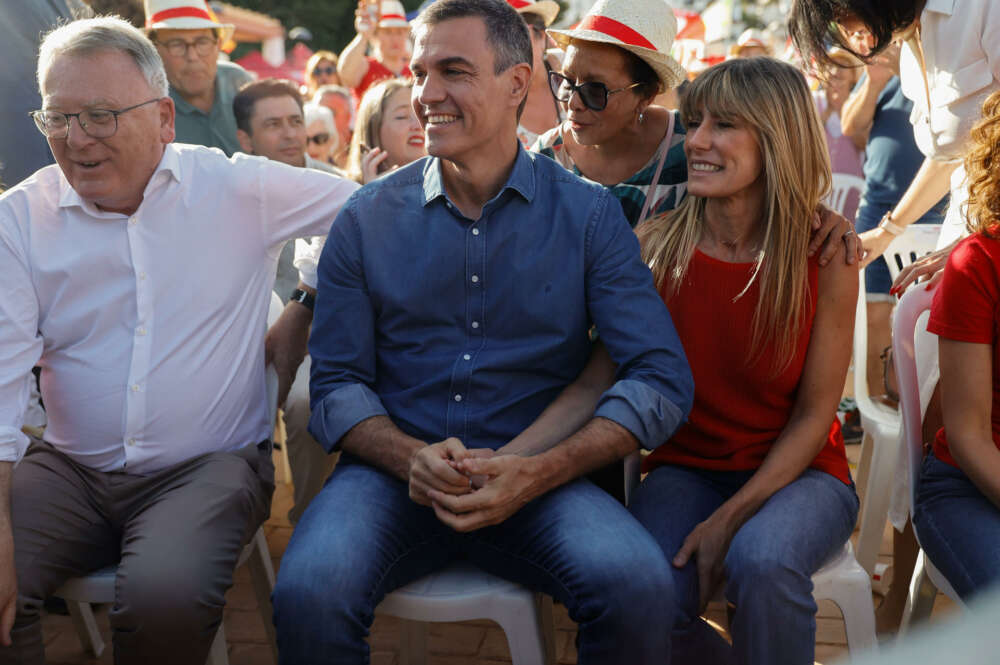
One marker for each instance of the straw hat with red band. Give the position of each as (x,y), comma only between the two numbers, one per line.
(184,15)
(393,15)
(547,9)
(643,27)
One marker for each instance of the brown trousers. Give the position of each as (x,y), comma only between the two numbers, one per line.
(175,535)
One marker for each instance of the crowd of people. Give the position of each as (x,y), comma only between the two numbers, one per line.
(512,255)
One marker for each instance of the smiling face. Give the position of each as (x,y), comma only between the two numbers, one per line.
(724,157)
(277,131)
(112,172)
(401,134)
(191,75)
(601,63)
(466,110)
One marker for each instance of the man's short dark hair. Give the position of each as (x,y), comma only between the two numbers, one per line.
(506,32)
(251,93)
(810,21)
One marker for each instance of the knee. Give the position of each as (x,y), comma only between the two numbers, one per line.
(765,574)
(633,588)
(168,604)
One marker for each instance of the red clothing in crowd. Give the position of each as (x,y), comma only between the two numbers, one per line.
(376,72)
(965,310)
(739,409)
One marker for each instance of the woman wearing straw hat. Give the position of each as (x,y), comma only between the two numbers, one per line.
(541,110)
(617,60)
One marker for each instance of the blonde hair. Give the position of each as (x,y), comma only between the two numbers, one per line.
(368,125)
(981,163)
(773,100)
(313,62)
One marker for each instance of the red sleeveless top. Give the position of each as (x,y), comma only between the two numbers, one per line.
(739,409)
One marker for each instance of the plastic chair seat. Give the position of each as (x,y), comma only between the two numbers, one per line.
(462,592)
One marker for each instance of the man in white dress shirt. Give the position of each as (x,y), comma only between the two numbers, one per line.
(137,274)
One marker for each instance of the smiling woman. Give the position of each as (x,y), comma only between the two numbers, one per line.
(388,134)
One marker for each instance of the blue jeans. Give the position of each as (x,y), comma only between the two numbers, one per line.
(958,527)
(769,565)
(362,537)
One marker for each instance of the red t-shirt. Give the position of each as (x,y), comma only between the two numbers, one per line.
(740,409)
(965,309)
(376,72)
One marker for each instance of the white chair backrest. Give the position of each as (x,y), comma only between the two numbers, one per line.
(914,302)
(271,374)
(917,241)
(841,198)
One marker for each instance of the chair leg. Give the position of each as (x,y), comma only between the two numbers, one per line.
(262,576)
(412,642)
(219,653)
(878,495)
(546,623)
(86,627)
(864,465)
(525,636)
(920,600)
(854,598)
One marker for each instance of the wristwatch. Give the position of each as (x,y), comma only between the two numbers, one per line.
(888,225)
(303,298)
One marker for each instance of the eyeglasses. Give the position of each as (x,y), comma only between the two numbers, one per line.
(96,123)
(593,94)
(319,139)
(178,48)
(325,71)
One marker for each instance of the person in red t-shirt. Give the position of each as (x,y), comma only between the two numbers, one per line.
(754,490)
(382,26)
(957,511)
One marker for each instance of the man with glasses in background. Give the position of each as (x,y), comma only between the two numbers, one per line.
(188,39)
(137,273)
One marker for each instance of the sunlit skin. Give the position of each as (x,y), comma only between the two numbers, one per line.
(401,135)
(340,107)
(192,76)
(277,131)
(112,172)
(320,77)
(856,33)
(321,151)
(724,159)
(392,46)
(752,51)
(455,92)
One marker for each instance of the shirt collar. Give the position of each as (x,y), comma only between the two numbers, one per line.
(946,7)
(169,167)
(521,179)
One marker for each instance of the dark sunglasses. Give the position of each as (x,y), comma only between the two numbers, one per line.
(593,94)
(325,71)
(319,139)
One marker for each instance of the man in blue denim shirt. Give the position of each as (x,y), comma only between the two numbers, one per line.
(454,301)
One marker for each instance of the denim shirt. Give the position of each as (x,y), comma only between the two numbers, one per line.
(469,328)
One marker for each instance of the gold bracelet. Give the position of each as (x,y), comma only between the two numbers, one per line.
(888,225)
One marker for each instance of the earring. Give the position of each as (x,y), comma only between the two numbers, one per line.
(642,116)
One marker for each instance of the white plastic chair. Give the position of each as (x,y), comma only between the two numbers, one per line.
(840,198)
(926,578)
(99,586)
(462,592)
(284,469)
(840,579)
(879,421)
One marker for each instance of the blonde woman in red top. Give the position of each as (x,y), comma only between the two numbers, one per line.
(753,493)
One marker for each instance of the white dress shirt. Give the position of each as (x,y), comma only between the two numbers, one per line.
(149,329)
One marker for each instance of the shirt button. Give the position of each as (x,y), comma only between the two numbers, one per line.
(475,324)
(458,398)
(467,357)
(131,442)
(475,279)
(142,275)
(140,331)
(475,232)
(133,221)
(135,387)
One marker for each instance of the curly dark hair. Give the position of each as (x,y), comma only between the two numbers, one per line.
(982,163)
(812,23)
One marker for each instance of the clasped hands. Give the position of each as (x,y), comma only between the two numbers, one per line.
(471,488)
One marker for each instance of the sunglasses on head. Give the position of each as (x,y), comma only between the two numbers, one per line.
(593,94)
(325,71)
(319,139)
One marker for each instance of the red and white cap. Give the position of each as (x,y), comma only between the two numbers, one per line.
(393,15)
(183,15)
(644,27)
(547,9)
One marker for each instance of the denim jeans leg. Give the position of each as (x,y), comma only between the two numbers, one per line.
(670,502)
(580,545)
(958,527)
(770,565)
(360,538)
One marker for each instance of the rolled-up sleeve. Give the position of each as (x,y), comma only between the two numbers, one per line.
(20,345)
(342,342)
(654,389)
